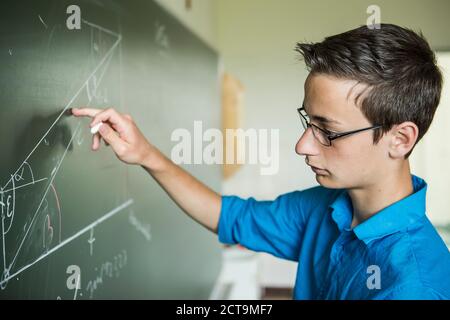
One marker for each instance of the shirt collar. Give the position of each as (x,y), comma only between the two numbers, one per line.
(398,216)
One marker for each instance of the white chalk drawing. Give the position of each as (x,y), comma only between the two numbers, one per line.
(47,234)
(107,270)
(24,177)
(162,39)
(42,20)
(7,276)
(142,228)
(80,138)
(91,242)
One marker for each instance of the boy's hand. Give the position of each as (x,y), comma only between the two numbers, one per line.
(120,132)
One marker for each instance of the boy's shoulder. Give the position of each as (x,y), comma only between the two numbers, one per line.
(417,265)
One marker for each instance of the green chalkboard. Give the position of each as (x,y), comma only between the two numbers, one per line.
(77,224)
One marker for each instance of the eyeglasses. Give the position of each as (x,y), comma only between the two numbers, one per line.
(325,136)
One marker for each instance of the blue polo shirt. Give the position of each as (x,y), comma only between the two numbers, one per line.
(395,254)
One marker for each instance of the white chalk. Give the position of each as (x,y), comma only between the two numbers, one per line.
(95,128)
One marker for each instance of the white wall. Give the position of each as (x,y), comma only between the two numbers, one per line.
(431,157)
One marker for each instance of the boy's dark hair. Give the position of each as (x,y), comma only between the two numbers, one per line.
(398,65)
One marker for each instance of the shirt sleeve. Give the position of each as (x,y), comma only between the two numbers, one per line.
(275,227)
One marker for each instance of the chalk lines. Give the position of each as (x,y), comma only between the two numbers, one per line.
(18,175)
(3,242)
(43,198)
(144,229)
(76,288)
(70,239)
(96,26)
(7,203)
(83,86)
(24,185)
(59,209)
(107,270)
(42,20)
(91,242)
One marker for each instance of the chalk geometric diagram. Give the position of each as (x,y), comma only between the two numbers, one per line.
(24,177)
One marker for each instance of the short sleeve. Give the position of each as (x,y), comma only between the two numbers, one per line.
(275,227)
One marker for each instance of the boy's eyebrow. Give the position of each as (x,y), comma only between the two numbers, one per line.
(320,119)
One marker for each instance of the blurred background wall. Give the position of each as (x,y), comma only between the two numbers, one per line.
(255,39)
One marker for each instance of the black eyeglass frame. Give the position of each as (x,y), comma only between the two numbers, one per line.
(329,134)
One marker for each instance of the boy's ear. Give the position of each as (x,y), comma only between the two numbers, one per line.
(403,139)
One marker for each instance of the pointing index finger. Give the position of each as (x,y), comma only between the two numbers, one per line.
(85,112)
(113,117)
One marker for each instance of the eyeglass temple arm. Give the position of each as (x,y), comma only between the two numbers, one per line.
(338,135)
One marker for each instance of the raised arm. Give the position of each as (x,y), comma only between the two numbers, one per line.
(128,143)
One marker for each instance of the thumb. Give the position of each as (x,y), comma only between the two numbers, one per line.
(111,137)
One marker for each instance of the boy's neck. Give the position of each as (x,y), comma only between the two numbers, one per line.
(390,189)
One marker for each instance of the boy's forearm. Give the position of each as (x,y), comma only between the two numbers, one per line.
(195,198)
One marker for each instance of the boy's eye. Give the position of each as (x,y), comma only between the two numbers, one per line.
(326,128)
(330,130)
